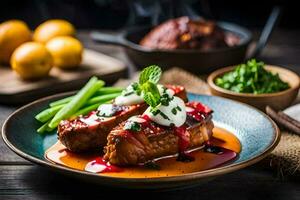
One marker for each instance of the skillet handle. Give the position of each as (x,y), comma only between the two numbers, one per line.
(106,38)
(266,32)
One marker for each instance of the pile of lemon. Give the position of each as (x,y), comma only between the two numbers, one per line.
(32,55)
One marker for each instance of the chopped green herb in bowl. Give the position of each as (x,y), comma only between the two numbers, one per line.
(256,84)
(251,77)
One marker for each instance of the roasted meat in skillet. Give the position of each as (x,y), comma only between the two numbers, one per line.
(153,141)
(185,33)
(88,133)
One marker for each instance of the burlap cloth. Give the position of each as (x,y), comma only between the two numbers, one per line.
(285,159)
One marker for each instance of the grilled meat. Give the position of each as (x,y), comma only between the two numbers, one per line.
(185,33)
(154,141)
(88,133)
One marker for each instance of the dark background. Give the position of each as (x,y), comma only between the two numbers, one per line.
(116,14)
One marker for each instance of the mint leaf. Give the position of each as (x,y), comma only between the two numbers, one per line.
(137,88)
(151,94)
(150,99)
(148,79)
(151,73)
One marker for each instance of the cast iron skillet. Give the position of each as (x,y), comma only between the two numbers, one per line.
(196,61)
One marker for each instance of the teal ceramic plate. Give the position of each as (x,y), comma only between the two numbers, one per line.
(257,133)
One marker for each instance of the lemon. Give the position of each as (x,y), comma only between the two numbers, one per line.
(66,51)
(13,33)
(53,28)
(31,60)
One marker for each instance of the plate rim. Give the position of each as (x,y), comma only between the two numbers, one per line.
(178,178)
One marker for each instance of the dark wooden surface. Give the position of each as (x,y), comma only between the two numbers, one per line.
(18,91)
(20,179)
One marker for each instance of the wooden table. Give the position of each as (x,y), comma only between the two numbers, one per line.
(20,179)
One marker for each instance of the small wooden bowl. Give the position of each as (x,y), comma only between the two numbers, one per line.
(277,100)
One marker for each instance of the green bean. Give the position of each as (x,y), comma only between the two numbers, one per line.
(61,101)
(43,128)
(78,101)
(47,114)
(102,98)
(102,91)
(109,90)
(49,129)
(88,109)
(94,102)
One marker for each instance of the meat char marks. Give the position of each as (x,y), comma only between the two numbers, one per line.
(88,133)
(153,141)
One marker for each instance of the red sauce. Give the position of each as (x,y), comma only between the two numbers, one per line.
(100,166)
(204,159)
(184,138)
(155,128)
(177,89)
(95,121)
(199,111)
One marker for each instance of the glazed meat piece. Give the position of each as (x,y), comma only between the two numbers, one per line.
(88,133)
(154,141)
(185,33)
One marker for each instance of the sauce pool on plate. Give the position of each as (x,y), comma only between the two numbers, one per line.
(222,148)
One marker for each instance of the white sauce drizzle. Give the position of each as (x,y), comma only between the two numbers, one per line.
(128,98)
(92,120)
(177,119)
(166,115)
(161,89)
(106,110)
(132,98)
(94,167)
(136,119)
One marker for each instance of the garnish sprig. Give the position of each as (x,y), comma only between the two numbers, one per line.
(147,85)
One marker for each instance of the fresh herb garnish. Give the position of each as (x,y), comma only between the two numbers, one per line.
(174,111)
(165,99)
(136,87)
(147,85)
(132,126)
(131,89)
(151,73)
(178,108)
(251,77)
(151,94)
(128,93)
(155,111)
(164,115)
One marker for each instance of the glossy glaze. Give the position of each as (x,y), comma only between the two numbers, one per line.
(257,134)
(203,159)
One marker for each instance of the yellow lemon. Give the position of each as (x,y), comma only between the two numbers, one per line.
(31,60)
(53,28)
(13,33)
(66,51)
